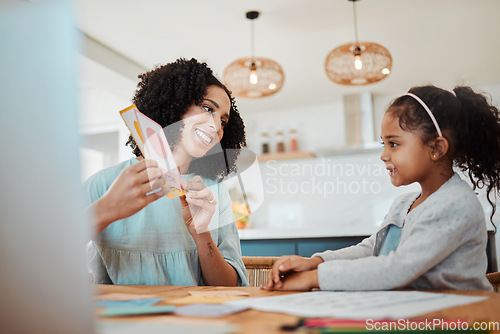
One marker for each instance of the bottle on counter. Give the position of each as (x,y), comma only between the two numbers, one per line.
(280,142)
(264,143)
(294,145)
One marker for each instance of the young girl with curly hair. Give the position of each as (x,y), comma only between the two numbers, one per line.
(433,239)
(142,237)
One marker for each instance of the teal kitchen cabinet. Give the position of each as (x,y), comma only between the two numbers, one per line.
(295,246)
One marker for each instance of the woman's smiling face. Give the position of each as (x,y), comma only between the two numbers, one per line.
(204,124)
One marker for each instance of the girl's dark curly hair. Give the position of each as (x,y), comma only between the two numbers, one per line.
(470,124)
(165,94)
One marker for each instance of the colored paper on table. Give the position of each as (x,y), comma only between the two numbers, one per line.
(137,310)
(202,299)
(128,303)
(208,310)
(150,138)
(390,326)
(123,296)
(219,293)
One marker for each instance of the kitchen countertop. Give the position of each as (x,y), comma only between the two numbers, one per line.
(309,232)
(306,232)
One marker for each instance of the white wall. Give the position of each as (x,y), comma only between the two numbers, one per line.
(317,126)
(103,93)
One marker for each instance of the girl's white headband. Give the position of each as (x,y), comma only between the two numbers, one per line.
(431,115)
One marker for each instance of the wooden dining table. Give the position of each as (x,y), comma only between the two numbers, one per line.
(259,322)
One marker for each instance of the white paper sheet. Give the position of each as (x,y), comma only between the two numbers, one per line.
(357,304)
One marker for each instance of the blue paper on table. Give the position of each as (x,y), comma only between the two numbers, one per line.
(209,310)
(137,310)
(128,303)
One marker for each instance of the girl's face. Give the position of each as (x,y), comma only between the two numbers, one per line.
(405,156)
(204,124)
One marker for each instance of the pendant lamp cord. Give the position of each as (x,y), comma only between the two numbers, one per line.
(252,39)
(355,21)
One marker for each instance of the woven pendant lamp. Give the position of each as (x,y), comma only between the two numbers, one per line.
(358,63)
(253,77)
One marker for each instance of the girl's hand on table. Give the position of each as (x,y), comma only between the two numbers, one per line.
(288,265)
(298,281)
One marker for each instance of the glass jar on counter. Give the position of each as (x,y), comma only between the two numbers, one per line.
(280,142)
(264,143)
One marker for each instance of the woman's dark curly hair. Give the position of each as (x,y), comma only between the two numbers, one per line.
(165,94)
(470,124)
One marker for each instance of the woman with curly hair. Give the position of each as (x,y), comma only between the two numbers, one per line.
(142,237)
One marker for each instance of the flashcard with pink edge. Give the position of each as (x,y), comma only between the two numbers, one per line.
(151,140)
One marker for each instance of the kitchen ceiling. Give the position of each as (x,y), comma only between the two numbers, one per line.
(444,42)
